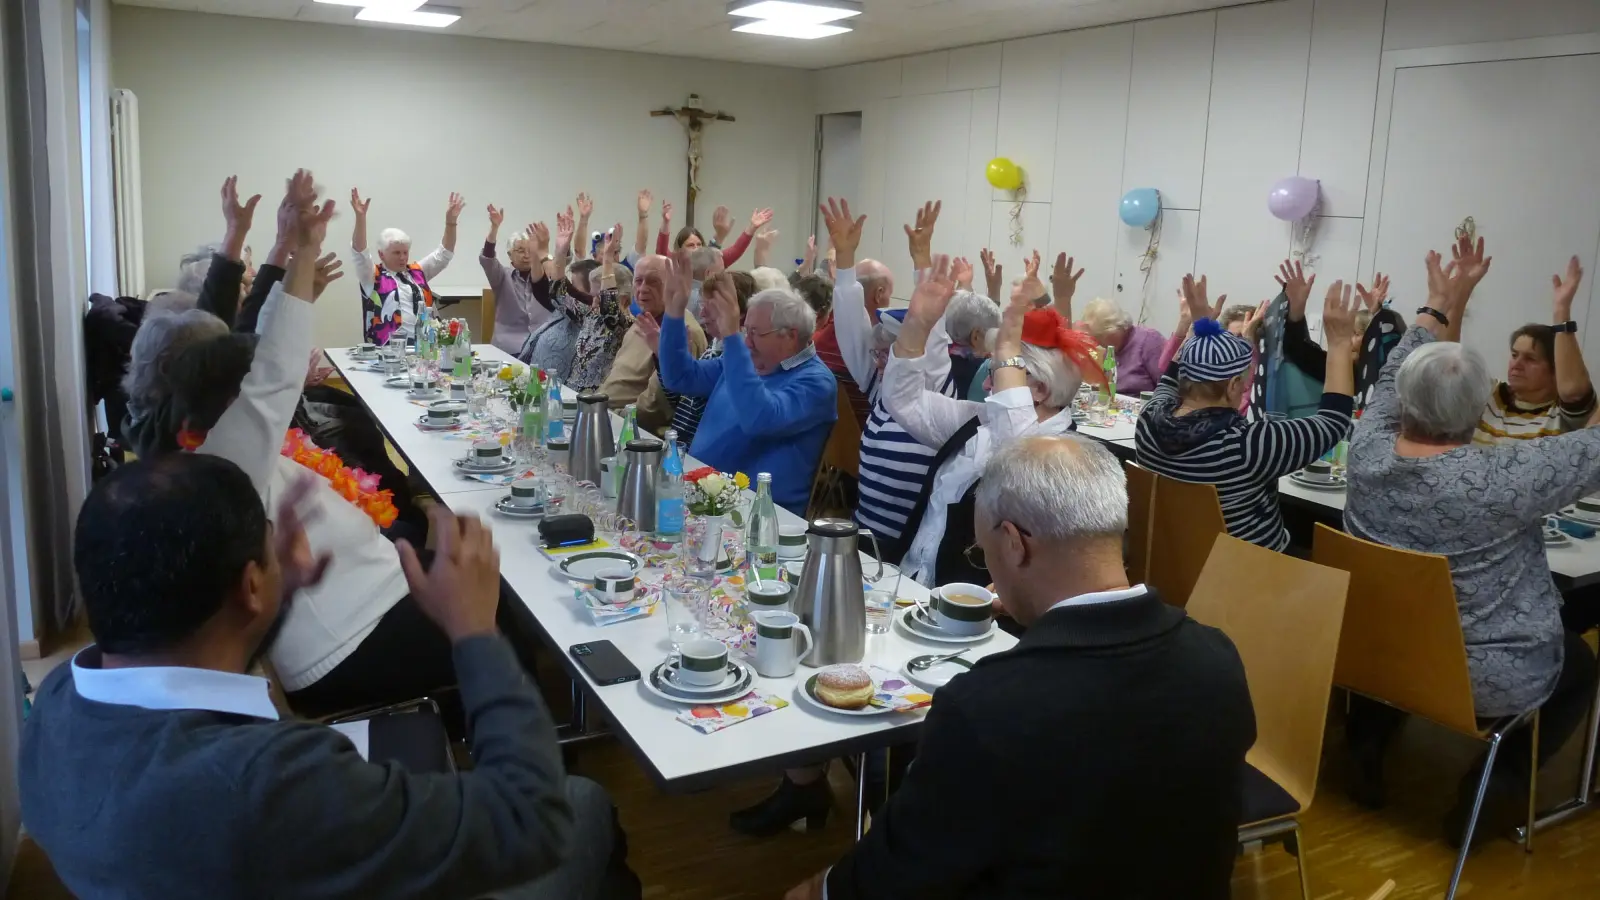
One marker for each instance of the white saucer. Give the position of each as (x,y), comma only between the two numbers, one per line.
(653,681)
(912,621)
(427,423)
(467,468)
(805,693)
(425,394)
(505,507)
(584,566)
(937,675)
(671,671)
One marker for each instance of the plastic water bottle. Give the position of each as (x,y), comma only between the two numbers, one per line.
(669,493)
(1108,365)
(763,541)
(552,413)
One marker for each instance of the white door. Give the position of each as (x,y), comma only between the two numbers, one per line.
(838,166)
(1511,143)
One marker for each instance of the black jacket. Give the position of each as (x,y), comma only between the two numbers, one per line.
(1101,758)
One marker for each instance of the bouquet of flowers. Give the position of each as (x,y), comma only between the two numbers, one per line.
(707,492)
(526,384)
(452,332)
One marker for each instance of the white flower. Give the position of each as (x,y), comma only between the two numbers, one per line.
(712,485)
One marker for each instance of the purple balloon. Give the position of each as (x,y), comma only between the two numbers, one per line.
(1294,198)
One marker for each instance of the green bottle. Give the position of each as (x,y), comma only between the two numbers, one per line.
(1108,365)
(763,540)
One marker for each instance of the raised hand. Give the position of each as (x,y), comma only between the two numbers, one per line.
(452,212)
(650,330)
(496,216)
(461,592)
(1470,262)
(564,230)
(759,218)
(645,200)
(932,296)
(1185,316)
(539,233)
(679,283)
(920,236)
(1063,284)
(809,262)
(327,272)
(961,271)
(585,206)
(1373,299)
(1292,278)
(721,223)
(1253,322)
(1339,314)
(844,231)
(993,274)
(357,204)
(1566,289)
(613,245)
(238,217)
(1030,282)
(765,238)
(720,306)
(1195,297)
(666,216)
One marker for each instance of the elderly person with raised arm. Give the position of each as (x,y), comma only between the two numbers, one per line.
(1039,364)
(394,289)
(1191,429)
(1417,482)
(517,311)
(605,316)
(689,237)
(769,400)
(633,377)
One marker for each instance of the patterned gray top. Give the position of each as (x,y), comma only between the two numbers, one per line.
(1482,508)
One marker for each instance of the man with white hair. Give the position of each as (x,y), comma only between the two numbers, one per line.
(769,400)
(1037,772)
(394,290)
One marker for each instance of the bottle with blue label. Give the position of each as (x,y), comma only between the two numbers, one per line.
(669,493)
(426,335)
(552,412)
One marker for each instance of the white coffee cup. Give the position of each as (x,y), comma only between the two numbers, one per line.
(458,391)
(608,478)
(366,349)
(527,492)
(487,453)
(961,618)
(792,541)
(778,652)
(442,415)
(420,382)
(702,662)
(768,596)
(616,586)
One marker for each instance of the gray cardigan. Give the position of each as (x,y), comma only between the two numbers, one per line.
(137,803)
(1483,508)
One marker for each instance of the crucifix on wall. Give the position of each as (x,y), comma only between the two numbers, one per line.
(693,119)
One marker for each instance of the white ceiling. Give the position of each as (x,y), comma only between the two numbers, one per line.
(702,28)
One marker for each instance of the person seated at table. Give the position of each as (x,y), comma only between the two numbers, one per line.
(877,287)
(1241,319)
(605,317)
(633,378)
(689,237)
(1138,347)
(1103,756)
(153,758)
(769,400)
(357,638)
(395,290)
(817,292)
(687,410)
(1417,482)
(1303,351)
(1191,430)
(552,345)
(516,312)
(969,321)
(1039,365)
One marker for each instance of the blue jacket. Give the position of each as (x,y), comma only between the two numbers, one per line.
(753,423)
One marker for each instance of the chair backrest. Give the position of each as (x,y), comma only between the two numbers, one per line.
(843,450)
(486,314)
(1402,639)
(1141,518)
(1284,616)
(1184,523)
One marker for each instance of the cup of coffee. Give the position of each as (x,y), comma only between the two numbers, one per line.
(1321,470)
(366,349)
(768,596)
(527,493)
(487,453)
(792,541)
(442,415)
(615,586)
(962,609)
(702,662)
(791,572)
(781,642)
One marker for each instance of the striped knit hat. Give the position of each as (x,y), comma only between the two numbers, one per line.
(1213,354)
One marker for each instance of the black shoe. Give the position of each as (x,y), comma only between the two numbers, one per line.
(790,804)
(1505,806)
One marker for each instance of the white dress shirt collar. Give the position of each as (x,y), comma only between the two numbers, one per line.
(171,687)
(1137,590)
(807,352)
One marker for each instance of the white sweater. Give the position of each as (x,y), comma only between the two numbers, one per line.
(323,624)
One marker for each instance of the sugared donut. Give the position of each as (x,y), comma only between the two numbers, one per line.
(844,687)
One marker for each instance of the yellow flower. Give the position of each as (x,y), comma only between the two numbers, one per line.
(742,480)
(507,373)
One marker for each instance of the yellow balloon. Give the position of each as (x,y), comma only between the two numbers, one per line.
(1004,174)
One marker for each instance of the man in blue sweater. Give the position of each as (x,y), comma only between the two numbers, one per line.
(770,402)
(154,766)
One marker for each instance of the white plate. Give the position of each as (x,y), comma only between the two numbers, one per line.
(911,614)
(584,566)
(804,690)
(651,683)
(1337,484)
(937,675)
(428,423)
(457,406)
(733,674)
(506,508)
(466,464)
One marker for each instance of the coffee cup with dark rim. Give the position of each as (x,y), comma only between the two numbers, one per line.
(962,609)
(768,595)
(486,454)
(616,586)
(442,415)
(527,493)
(791,571)
(420,382)
(458,391)
(791,541)
(702,662)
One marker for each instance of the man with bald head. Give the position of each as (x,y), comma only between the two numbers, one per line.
(1038,771)
(633,377)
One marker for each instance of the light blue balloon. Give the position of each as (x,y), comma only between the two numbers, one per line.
(1140,207)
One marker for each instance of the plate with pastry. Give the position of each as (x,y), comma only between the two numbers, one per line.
(847,690)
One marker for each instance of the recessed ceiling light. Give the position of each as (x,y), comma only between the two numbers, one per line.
(812,11)
(407,17)
(805,31)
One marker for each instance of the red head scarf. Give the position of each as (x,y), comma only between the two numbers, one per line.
(1044,327)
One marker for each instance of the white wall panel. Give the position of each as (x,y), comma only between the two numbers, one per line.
(1439,23)
(924,164)
(839,90)
(875,130)
(1030,91)
(925,74)
(975,67)
(1341,91)
(1175,259)
(881,79)
(1167,107)
(1093,118)
(974,233)
(1035,236)
(1257,84)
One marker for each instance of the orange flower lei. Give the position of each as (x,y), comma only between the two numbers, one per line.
(355,485)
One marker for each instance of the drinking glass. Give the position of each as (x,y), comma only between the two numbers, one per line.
(682,599)
(880,611)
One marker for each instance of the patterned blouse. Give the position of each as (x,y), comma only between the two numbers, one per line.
(1483,509)
(605,323)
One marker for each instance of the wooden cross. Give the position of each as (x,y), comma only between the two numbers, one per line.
(693,119)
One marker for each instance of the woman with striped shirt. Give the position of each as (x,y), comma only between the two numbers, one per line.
(1191,429)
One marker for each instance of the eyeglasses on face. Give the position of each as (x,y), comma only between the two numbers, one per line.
(974,554)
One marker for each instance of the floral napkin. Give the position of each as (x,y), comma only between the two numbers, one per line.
(708,719)
(641,606)
(504,479)
(895,692)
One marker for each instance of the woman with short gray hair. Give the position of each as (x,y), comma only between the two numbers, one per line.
(972,321)
(1418,483)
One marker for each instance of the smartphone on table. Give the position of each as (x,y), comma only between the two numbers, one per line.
(604,662)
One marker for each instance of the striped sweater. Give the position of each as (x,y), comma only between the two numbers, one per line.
(1243,459)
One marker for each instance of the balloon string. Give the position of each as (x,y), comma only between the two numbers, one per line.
(1147,264)
(1017,196)
(1305,235)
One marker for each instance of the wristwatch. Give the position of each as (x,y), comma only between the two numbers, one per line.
(1568,327)
(1430,311)
(1014,362)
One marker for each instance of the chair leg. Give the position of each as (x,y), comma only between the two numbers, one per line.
(1533,784)
(1300,862)
(1472,820)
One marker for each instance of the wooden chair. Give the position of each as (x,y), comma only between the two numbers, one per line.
(1284,616)
(1141,518)
(1402,645)
(841,456)
(1184,523)
(486,315)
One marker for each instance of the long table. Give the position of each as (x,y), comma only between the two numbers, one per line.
(678,757)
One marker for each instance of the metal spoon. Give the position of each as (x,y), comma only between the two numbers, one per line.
(928,662)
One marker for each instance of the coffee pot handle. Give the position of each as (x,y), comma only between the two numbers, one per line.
(804,632)
(877,553)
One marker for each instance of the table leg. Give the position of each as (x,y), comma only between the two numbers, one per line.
(576,730)
(861,794)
